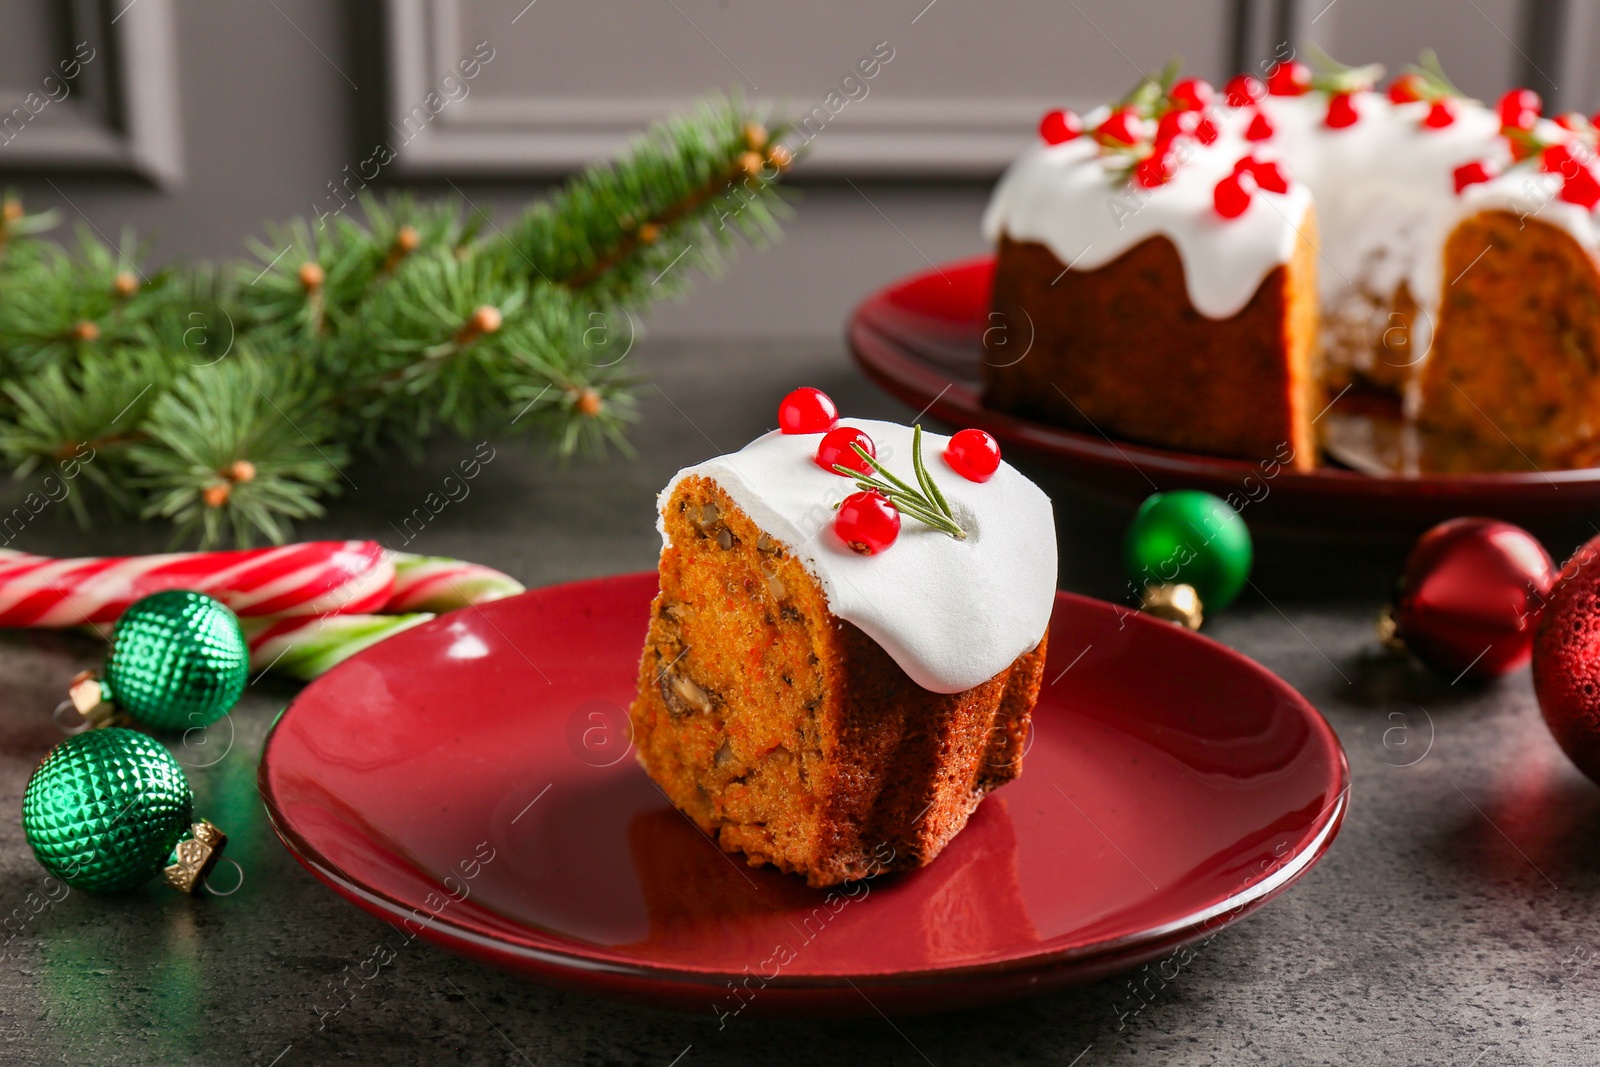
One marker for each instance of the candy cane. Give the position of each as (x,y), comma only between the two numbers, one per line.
(438,584)
(306,647)
(310,579)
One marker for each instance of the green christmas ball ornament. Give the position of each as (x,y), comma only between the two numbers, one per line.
(1187,537)
(106,809)
(178,661)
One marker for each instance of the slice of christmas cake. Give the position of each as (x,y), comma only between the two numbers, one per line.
(848,641)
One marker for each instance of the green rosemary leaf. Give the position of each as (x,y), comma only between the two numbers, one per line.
(924,477)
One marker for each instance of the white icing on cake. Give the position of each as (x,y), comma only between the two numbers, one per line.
(951,613)
(1383,190)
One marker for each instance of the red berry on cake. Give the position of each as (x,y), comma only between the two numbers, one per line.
(1260,129)
(1122,126)
(867,522)
(1582,189)
(1519,109)
(1175,124)
(835,450)
(1205,131)
(1232,194)
(1558,159)
(1289,79)
(1269,174)
(1441,114)
(807,410)
(1242,90)
(1191,94)
(1406,89)
(1341,111)
(973,454)
(1058,127)
(1472,174)
(1155,169)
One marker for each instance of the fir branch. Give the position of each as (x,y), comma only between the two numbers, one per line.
(224,454)
(224,398)
(88,417)
(688,190)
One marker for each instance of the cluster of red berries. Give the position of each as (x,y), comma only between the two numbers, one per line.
(1186,111)
(1182,112)
(1572,161)
(1414,88)
(1233,193)
(867,521)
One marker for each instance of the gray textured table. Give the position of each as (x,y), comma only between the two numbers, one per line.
(1452,921)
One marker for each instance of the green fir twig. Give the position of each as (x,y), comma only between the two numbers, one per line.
(227,399)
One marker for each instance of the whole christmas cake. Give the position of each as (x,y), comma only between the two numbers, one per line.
(1205,270)
(848,641)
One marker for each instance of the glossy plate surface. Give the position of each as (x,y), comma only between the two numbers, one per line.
(921,339)
(471,780)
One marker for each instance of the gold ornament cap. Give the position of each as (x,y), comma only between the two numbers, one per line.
(1389,631)
(196,855)
(1176,602)
(91,699)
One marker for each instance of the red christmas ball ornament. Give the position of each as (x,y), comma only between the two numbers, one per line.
(867,522)
(1469,596)
(835,450)
(1566,659)
(807,410)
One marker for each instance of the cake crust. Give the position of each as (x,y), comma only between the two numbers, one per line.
(788,734)
(1120,350)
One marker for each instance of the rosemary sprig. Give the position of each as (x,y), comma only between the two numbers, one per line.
(1331,76)
(1435,81)
(927,504)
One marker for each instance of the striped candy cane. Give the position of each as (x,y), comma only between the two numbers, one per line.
(311,579)
(438,584)
(306,647)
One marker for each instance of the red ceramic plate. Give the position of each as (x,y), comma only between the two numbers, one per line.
(922,340)
(470,781)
